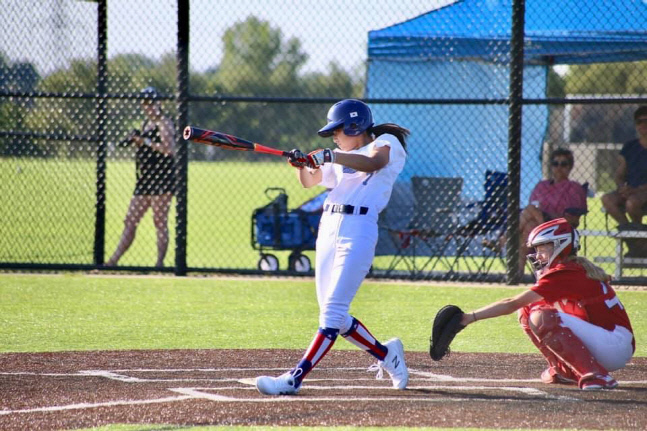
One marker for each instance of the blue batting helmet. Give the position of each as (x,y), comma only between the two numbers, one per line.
(353,115)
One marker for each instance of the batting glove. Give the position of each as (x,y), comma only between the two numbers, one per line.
(317,158)
(297,159)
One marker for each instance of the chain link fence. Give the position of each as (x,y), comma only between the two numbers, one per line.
(95,174)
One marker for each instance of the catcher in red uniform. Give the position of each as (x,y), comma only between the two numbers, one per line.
(571,313)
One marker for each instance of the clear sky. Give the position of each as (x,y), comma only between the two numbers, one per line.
(51,32)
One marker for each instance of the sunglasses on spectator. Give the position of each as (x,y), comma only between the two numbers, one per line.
(641,121)
(563,163)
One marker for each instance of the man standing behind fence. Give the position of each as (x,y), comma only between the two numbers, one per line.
(155,176)
(630,177)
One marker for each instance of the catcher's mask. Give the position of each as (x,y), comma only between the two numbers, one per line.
(561,235)
(353,115)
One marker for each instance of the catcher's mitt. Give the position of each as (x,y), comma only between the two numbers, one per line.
(447,324)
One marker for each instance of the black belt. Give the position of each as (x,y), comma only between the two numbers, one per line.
(345,209)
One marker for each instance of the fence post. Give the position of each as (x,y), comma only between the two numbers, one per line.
(182,156)
(514,140)
(102,78)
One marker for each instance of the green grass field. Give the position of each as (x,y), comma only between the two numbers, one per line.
(47,208)
(78,312)
(42,313)
(48,211)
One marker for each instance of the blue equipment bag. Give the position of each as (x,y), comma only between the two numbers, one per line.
(273,226)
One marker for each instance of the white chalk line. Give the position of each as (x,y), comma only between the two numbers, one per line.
(199,393)
(423,375)
(95,405)
(251,386)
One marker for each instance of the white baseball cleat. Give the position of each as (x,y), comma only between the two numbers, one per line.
(394,363)
(281,385)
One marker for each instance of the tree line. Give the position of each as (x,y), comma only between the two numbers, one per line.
(257,61)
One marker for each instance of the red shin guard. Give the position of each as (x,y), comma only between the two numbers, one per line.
(553,361)
(546,325)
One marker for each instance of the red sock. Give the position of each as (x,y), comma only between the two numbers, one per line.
(362,338)
(320,345)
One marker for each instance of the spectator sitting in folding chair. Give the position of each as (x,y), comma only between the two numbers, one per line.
(550,199)
(630,177)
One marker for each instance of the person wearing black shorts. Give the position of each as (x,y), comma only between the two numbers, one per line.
(154,161)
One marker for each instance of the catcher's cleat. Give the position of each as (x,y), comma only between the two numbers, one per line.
(394,364)
(595,382)
(282,385)
(554,376)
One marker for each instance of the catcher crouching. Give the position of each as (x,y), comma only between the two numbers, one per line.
(571,313)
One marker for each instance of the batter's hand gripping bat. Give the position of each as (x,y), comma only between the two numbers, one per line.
(228,142)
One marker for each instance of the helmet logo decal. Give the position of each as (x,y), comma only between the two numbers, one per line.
(351,115)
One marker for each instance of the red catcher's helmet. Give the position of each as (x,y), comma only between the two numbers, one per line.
(564,238)
(353,115)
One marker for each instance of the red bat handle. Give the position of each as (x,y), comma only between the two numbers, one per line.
(269,150)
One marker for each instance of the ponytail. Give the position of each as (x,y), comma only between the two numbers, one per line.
(392,129)
(593,271)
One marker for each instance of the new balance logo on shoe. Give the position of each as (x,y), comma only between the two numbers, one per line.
(394,363)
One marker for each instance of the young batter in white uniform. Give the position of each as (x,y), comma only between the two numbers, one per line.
(360,174)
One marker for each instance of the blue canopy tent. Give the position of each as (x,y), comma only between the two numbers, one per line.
(461,51)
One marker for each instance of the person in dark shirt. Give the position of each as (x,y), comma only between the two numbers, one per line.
(630,177)
(155,173)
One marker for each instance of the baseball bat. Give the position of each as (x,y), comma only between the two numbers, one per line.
(228,142)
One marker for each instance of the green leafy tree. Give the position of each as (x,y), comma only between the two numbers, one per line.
(257,61)
(555,84)
(19,77)
(607,78)
(605,122)
(74,116)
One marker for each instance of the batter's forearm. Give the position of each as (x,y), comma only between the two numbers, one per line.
(359,162)
(309,177)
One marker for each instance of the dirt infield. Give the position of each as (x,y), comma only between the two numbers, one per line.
(51,391)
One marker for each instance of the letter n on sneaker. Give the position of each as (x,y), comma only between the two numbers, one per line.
(394,364)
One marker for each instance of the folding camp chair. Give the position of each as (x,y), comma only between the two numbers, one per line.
(436,202)
(488,226)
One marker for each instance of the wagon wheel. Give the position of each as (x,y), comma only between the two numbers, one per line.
(299,263)
(268,262)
